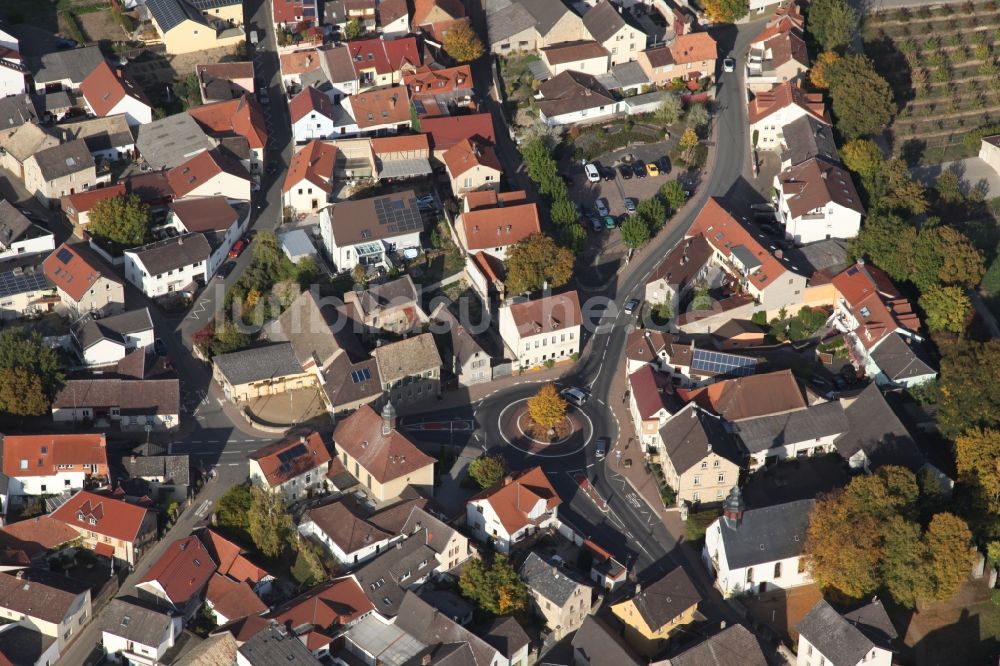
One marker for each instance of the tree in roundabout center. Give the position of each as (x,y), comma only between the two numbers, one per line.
(547,410)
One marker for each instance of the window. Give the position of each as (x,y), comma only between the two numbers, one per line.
(722,478)
(715,464)
(777,569)
(697,480)
(696,497)
(704,464)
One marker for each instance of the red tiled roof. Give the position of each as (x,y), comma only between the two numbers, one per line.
(724,233)
(314,163)
(114,518)
(310,452)
(289,11)
(308,101)
(753,396)
(400,143)
(230,558)
(498,227)
(384,106)
(403,52)
(492,198)
(104,549)
(693,47)
(422,9)
(42,531)
(517,496)
(242,116)
(185,178)
(783,95)
(182,570)
(875,303)
(43,455)
(384,56)
(468,154)
(299,62)
(231,599)
(547,314)
(75,269)
(446,131)
(83,201)
(337,602)
(103,88)
(385,457)
(426,81)
(651,390)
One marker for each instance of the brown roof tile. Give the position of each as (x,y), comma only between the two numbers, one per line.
(547,314)
(314,163)
(467,154)
(516,496)
(426,81)
(331,604)
(815,183)
(385,106)
(386,456)
(756,395)
(564,52)
(498,227)
(231,599)
(349,531)
(75,269)
(784,95)
(42,531)
(113,518)
(41,455)
(307,452)
(182,571)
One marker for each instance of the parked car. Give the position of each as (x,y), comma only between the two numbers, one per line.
(630,305)
(226,269)
(607,174)
(625,171)
(427,202)
(159,348)
(652,169)
(272,168)
(237,249)
(728,65)
(630,205)
(574,395)
(664,164)
(639,169)
(593,175)
(601,448)
(601,205)
(609,222)
(595,224)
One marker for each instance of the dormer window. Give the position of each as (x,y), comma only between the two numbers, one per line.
(92,521)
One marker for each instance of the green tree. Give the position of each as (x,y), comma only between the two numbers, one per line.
(496,587)
(669,111)
(652,213)
(537,260)
(635,232)
(353,29)
(949,187)
(950,556)
(547,408)
(688,140)
(862,156)
(122,221)
(970,393)
(21,393)
(487,471)
(308,568)
(818,73)
(946,308)
(573,237)
(831,22)
(462,43)
(977,459)
(563,212)
(726,11)
(270,524)
(944,255)
(20,349)
(888,242)
(673,195)
(232,513)
(697,116)
(229,338)
(892,188)
(863,104)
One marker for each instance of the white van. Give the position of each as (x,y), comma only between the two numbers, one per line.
(575,395)
(254,38)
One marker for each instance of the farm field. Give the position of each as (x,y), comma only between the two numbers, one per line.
(942,64)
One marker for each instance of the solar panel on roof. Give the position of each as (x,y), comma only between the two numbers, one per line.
(723,364)
(399,216)
(64,255)
(12,283)
(362,375)
(291,454)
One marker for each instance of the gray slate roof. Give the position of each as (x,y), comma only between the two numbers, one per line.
(429,626)
(173,253)
(306,327)
(72,64)
(603,21)
(733,646)
(90,331)
(874,427)
(16,110)
(899,360)
(386,578)
(691,433)
(806,138)
(400,291)
(64,159)
(134,623)
(171,141)
(816,421)
(546,13)
(600,645)
(174,469)
(624,75)
(572,91)
(666,599)
(548,580)
(13,225)
(508,21)
(275,645)
(457,339)
(843,640)
(505,634)
(258,363)
(767,534)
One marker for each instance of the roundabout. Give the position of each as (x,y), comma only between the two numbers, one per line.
(571,437)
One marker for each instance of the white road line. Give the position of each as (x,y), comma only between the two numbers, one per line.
(233,464)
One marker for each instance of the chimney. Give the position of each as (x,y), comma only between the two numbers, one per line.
(507,480)
(638,588)
(134,458)
(779,253)
(732,509)
(19,575)
(302,439)
(425,660)
(860,262)
(180,240)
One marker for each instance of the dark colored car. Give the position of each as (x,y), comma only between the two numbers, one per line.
(159,348)
(608,174)
(226,269)
(639,169)
(664,164)
(595,224)
(272,168)
(625,171)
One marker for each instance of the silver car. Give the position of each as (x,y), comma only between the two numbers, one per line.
(602,207)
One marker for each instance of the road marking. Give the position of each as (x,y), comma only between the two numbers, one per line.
(203,509)
(198,308)
(233,464)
